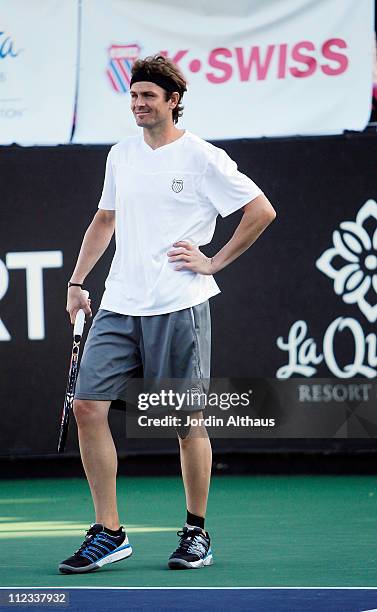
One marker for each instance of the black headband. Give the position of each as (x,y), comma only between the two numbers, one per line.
(154,77)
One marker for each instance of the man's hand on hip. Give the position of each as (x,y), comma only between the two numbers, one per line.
(189,257)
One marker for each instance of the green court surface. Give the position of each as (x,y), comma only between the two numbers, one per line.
(266,531)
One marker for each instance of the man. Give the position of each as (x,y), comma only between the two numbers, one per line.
(162,193)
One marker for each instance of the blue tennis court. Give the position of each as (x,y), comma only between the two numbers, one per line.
(257,600)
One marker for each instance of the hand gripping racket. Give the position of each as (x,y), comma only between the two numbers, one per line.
(72,377)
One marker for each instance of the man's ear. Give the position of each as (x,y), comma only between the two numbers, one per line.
(174,98)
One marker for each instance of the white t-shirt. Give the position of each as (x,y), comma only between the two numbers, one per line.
(161,196)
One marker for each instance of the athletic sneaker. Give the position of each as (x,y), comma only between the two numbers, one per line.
(98,549)
(193,551)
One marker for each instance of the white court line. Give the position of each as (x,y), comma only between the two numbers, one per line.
(220,588)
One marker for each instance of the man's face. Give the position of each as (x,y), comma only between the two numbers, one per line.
(149,104)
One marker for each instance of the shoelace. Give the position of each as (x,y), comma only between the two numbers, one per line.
(192,542)
(92,539)
(88,539)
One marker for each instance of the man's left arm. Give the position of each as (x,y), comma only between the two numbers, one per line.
(257,215)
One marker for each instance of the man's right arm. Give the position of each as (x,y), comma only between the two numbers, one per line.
(96,240)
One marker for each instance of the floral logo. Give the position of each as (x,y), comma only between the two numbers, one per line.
(352,261)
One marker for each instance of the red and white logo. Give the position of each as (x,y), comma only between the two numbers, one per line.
(121,59)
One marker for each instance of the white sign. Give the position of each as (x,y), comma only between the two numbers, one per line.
(38,67)
(253,68)
(33,263)
(355,279)
(356,246)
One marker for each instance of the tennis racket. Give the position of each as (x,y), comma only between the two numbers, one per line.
(72,377)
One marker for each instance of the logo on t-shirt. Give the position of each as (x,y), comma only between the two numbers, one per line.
(177,185)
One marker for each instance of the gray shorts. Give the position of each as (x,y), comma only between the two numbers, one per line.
(119,347)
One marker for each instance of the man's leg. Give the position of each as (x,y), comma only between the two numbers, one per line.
(196,463)
(194,548)
(177,346)
(109,358)
(99,458)
(105,541)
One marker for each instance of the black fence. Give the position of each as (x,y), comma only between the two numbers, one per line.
(289,307)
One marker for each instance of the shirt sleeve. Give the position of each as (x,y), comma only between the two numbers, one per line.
(107,201)
(225,187)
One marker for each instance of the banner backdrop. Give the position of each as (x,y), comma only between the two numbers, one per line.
(38,58)
(299,307)
(262,68)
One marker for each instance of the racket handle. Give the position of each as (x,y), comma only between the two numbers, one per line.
(79,321)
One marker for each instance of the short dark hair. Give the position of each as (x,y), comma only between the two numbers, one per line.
(158,64)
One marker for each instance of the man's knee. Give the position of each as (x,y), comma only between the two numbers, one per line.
(87,411)
(186,433)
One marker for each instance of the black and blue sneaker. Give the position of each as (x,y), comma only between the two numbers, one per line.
(194,550)
(98,549)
